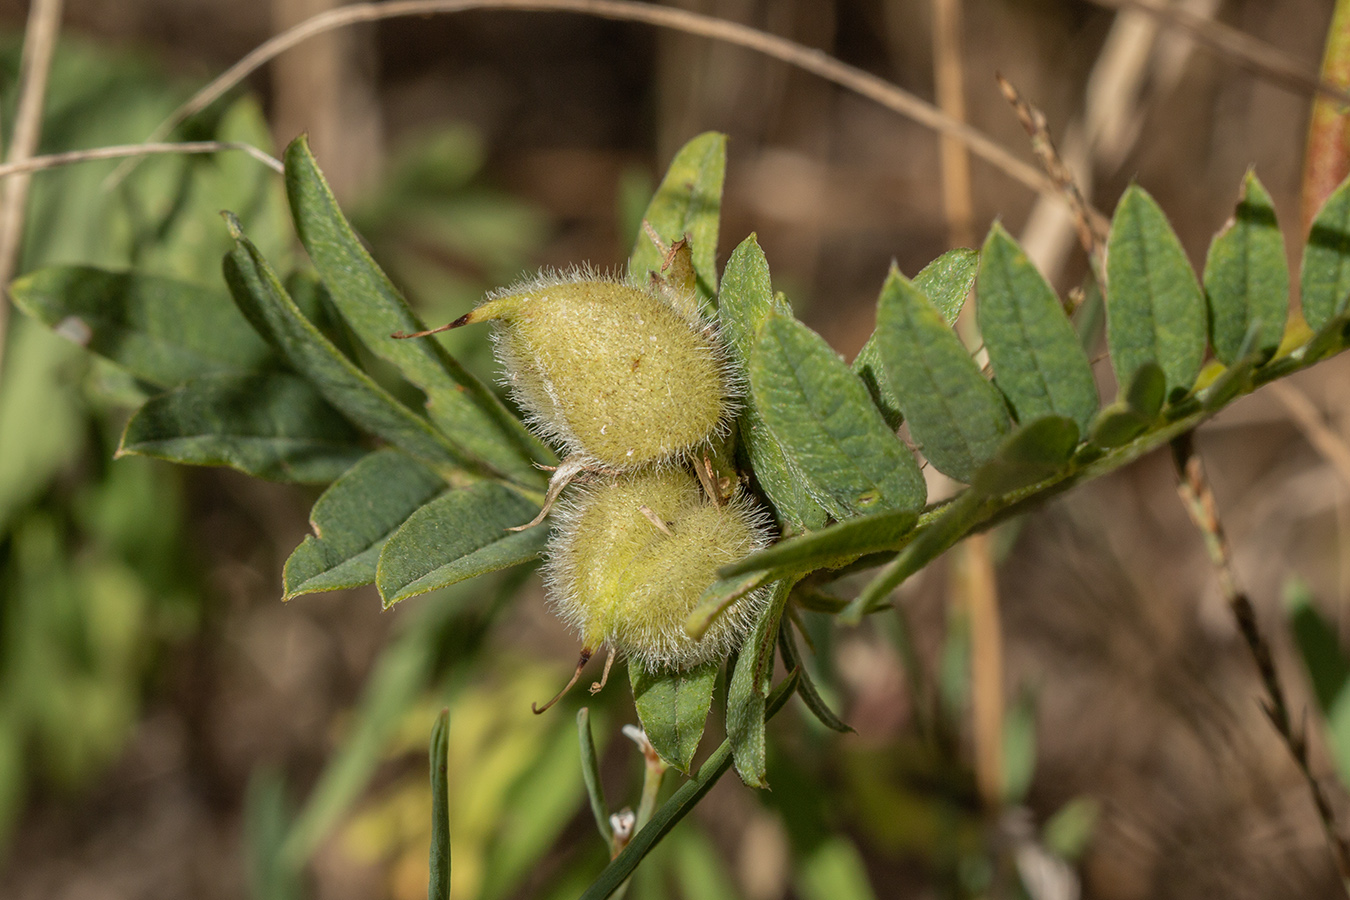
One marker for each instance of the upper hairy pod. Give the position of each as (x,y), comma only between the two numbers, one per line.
(631,556)
(622,375)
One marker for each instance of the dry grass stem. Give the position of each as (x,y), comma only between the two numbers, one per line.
(1092,226)
(1314,426)
(1241,49)
(39,43)
(976,588)
(120,151)
(1196,494)
(949,80)
(863,83)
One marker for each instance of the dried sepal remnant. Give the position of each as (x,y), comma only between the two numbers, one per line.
(622,375)
(632,554)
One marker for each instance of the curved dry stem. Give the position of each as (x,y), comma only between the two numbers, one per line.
(814,61)
(119,151)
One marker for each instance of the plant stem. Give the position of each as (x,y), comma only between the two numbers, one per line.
(39,42)
(814,61)
(1199,500)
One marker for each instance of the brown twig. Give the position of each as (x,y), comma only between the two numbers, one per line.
(1092,226)
(39,43)
(949,83)
(1198,498)
(864,83)
(976,589)
(1312,423)
(119,151)
(1242,49)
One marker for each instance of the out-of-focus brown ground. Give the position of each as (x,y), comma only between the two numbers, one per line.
(1147,699)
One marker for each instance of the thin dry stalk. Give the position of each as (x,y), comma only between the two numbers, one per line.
(1092,226)
(976,589)
(863,83)
(120,151)
(949,80)
(39,43)
(1239,48)
(1314,427)
(1195,492)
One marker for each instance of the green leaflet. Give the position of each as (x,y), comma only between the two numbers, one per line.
(946,281)
(1131,415)
(439,884)
(1155,311)
(673,708)
(352,519)
(1031,454)
(1036,356)
(821,414)
(830,547)
(806,688)
(462,407)
(685,798)
(744,301)
(1328,670)
(590,774)
(718,598)
(688,202)
(458,535)
(274,426)
(265,303)
(957,417)
(161,330)
(1325,277)
(953,523)
(1247,278)
(747,697)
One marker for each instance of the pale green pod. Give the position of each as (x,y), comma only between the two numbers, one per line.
(622,375)
(632,554)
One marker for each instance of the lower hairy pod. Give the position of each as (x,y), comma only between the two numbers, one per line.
(632,554)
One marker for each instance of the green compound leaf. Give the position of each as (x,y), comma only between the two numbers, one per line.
(946,281)
(1031,454)
(1247,278)
(956,416)
(851,461)
(461,406)
(748,694)
(830,547)
(352,519)
(265,303)
(744,302)
(1155,311)
(458,535)
(273,426)
(1131,415)
(438,887)
(688,202)
(1037,359)
(159,329)
(1325,276)
(673,708)
(678,806)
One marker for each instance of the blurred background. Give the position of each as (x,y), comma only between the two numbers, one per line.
(169,729)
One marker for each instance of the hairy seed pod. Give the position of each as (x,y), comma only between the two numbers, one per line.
(621,375)
(631,556)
